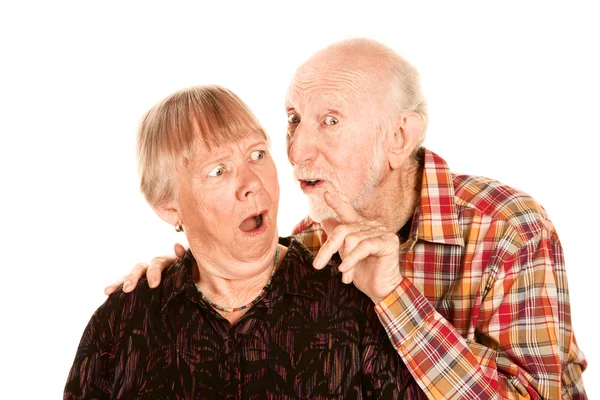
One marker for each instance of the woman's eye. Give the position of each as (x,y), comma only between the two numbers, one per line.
(218,171)
(329,120)
(293,119)
(257,155)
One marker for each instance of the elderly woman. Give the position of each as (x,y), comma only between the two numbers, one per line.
(243,314)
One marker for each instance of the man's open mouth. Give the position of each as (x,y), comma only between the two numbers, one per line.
(308,183)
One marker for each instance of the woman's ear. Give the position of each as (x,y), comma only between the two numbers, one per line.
(167,210)
(405,139)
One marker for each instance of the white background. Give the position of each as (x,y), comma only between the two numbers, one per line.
(513,90)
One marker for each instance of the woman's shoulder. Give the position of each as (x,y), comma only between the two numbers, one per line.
(127,303)
(121,309)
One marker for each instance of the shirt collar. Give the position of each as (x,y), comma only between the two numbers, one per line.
(295,276)
(177,279)
(436,215)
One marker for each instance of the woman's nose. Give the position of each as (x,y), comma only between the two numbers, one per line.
(250,184)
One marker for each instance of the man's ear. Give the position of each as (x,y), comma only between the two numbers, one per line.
(167,210)
(405,138)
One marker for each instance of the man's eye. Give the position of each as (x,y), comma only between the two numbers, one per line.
(218,171)
(329,120)
(293,119)
(257,155)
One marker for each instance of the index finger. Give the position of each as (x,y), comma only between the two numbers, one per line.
(344,210)
(114,286)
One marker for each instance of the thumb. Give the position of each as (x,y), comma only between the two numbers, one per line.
(179,250)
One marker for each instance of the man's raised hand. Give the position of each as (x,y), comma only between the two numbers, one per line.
(370,252)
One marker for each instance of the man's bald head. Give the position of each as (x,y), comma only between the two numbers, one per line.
(375,70)
(364,54)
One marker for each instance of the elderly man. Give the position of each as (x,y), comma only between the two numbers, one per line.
(478,304)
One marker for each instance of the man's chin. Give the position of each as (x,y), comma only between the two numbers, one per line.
(319,212)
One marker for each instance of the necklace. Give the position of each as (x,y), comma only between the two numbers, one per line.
(253,302)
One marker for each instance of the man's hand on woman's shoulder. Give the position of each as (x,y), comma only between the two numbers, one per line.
(153,271)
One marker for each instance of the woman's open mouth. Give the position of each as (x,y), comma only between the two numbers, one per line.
(254,224)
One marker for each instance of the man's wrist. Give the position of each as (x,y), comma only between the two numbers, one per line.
(379,299)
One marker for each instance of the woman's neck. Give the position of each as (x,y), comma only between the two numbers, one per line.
(230,292)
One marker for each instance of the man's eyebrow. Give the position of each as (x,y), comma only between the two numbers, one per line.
(330,110)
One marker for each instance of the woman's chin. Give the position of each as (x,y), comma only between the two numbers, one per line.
(253,247)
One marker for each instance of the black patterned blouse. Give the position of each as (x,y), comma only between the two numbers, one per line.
(310,336)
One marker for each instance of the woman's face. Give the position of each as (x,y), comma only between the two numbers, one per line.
(228,200)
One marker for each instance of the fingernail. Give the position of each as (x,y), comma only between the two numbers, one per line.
(126,284)
(153,282)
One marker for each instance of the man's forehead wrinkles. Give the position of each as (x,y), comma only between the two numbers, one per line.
(292,94)
(318,94)
(350,82)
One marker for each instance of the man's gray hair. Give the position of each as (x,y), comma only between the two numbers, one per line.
(405,92)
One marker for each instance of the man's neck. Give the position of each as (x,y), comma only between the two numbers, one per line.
(395,199)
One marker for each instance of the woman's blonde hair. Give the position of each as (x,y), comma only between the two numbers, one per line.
(169,132)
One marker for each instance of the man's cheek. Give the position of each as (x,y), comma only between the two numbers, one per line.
(288,146)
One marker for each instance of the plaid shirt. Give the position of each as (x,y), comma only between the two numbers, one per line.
(483,309)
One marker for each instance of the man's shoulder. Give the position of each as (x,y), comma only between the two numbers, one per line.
(501,203)
(304,226)
(310,233)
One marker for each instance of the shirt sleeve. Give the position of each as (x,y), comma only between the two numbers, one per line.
(523,345)
(91,375)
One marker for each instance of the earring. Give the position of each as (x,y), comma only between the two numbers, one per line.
(178,227)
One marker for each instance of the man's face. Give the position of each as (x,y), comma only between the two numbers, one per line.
(333,122)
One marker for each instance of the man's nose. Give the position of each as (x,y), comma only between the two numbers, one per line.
(250,183)
(302,145)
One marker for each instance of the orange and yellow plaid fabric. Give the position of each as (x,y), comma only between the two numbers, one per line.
(483,310)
